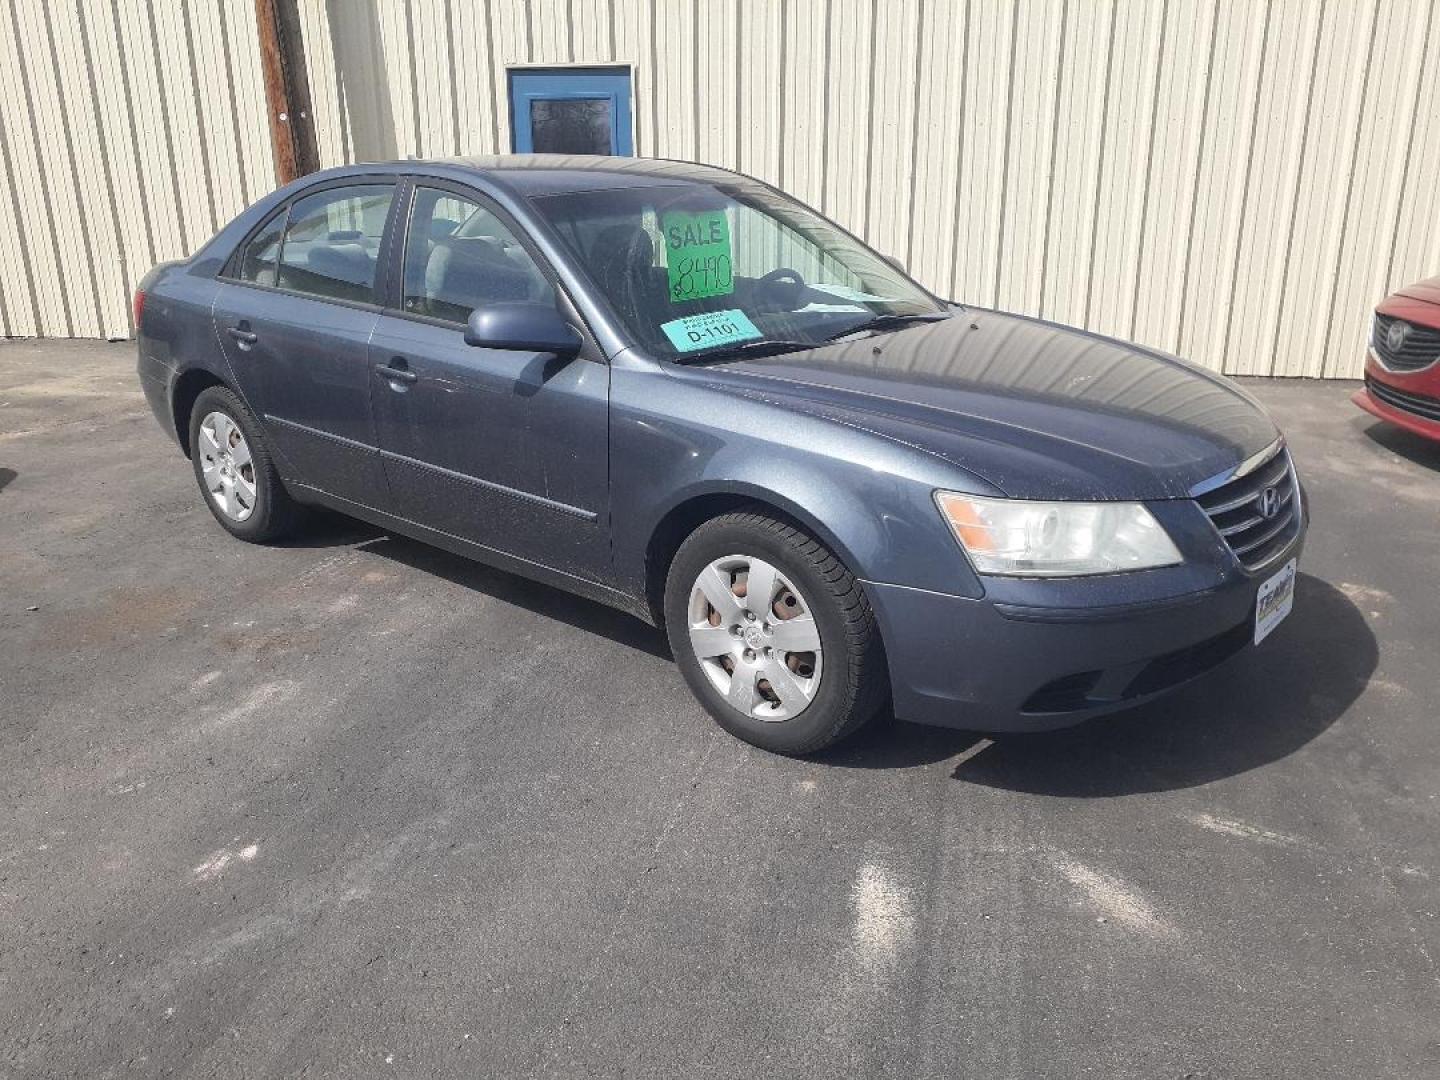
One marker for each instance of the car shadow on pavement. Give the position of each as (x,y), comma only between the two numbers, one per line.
(1257,708)
(327,529)
(1412,447)
(7,475)
(588,615)
(1261,706)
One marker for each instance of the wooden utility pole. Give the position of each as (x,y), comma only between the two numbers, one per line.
(287,90)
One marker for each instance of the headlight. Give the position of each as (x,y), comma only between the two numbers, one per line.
(1056,539)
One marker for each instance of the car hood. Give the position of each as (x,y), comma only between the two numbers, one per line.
(1427,290)
(1036,410)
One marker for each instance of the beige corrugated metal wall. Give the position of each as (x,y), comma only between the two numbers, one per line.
(130,131)
(1234,180)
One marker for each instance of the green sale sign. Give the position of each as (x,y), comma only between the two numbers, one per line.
(697,255)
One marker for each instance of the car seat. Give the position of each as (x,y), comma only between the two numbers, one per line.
(464,272)
(623,257)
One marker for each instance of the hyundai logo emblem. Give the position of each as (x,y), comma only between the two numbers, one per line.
(1269,502)
(1395,336)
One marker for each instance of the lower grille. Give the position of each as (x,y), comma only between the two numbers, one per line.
(1419,347)
(1257,514)
(1404,400)
(1177,667)
(1065,694)
(1072,693)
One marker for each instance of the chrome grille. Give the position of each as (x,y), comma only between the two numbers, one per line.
(1236,508)
(1419,404)
(1420,349)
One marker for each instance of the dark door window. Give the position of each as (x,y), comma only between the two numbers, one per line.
(570,126)
(571,111)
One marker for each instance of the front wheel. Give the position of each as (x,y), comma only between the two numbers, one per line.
(773,634)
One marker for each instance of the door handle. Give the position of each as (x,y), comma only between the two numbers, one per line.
(397,374)
(243,336)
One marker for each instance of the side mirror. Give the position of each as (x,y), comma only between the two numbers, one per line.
(522,327)
(897,264)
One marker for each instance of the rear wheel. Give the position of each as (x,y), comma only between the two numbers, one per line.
(773,634)
(234,469)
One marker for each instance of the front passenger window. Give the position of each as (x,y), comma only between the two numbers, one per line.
(458,256)
(332,243)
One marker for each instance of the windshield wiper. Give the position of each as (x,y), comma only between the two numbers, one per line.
(769,347)
(888,322)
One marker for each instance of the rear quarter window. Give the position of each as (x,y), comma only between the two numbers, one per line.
(259,263)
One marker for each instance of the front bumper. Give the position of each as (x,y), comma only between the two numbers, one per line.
(992,665)
(1416,413)
(1407,399)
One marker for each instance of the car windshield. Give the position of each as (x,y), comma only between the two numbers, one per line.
(704,270)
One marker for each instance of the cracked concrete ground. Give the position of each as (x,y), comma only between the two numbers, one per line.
(354,807)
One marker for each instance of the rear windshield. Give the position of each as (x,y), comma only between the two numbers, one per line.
(694,270)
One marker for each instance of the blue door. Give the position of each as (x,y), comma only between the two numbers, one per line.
(570,111)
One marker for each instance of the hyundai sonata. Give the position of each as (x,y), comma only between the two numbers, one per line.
(679,391)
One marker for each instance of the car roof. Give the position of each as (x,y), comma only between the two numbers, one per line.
(552,174)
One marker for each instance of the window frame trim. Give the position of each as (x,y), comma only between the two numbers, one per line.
(235,264)
(381,285)
(394,300)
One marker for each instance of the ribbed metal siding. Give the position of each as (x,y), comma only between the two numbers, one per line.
(129,132)
(1233,180)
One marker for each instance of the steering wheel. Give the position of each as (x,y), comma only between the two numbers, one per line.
(784,286)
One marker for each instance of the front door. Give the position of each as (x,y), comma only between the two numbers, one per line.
(294,315)
(504,448)
(571,111)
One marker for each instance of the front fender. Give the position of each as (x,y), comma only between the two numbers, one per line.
(856,535)
(869,498)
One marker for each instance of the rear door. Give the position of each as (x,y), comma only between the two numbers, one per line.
(504,448)
(294,314)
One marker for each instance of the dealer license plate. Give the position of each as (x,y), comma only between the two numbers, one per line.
(1274,600)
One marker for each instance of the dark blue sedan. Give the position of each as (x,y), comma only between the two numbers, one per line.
(679,391)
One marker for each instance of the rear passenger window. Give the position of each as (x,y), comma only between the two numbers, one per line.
(262,254)
(458,256)
(332,242)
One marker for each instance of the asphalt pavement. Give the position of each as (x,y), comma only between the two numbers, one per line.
(355,807)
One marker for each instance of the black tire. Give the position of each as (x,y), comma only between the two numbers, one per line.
(275,514)
(854,683)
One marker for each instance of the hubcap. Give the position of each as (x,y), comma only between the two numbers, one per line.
(755,638)
(226,466)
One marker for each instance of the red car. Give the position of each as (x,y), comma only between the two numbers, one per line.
(1402,365)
